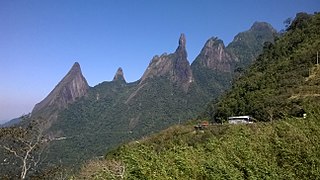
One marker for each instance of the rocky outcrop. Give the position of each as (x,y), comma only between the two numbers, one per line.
(119,77)
(214,56)
(174,66)
(212,68)
(71,87)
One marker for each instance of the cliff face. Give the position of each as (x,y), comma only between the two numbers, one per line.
(214,56)
(216,65)
(212,68)
(71,87)
(174,66)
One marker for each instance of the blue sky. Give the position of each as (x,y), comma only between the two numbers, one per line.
(40,40)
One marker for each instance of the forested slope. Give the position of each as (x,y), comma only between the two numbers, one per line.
(287,149)
(280,82)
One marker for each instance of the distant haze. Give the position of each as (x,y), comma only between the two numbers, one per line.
(12,109)
(40,40)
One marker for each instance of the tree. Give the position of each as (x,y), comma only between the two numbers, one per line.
(25,146)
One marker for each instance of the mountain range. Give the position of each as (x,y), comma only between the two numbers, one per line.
(280,90)
(93,120)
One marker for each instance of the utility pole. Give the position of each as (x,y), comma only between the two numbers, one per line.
(317,57)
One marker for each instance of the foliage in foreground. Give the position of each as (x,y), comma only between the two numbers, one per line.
(21,149)
(288,149)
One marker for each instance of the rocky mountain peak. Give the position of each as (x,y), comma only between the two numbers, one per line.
(174,66)
(181,50)
(119,76)
(182,41)
(75,67)
(74,71)
(214,56)
(71,87)
(212,42)
(262,26)
(247,45)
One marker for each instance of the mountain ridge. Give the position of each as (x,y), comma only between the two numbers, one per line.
(171,91)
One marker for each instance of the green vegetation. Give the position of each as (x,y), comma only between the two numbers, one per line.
(110,116)
(213,83)
(280,82)
(248,45)
(288,149)
(21,149)
(113,113)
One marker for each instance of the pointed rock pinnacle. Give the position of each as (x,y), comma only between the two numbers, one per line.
(182,40)
(181,50)
(119,75)
(71,87)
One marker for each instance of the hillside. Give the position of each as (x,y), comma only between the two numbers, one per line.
(281,81)
(11,122)
(287,149)
(284,79)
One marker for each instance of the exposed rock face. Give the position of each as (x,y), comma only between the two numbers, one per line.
(174,66)
(214,56)
(72,86)
(212,69)
(216,65)
(181,50)
(119,75)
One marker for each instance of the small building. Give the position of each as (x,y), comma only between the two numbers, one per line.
(240,120)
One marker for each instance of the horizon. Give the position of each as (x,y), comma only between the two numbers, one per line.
(40,41)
